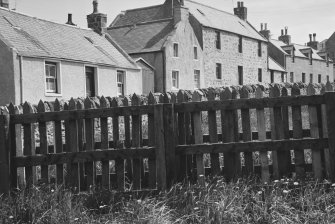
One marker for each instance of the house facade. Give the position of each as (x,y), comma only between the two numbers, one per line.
(43,60)
(302,63)
(192,45)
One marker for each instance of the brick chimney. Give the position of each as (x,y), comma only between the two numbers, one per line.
(69,20)
(312,42)
(241,11)
(4,3)
(264,31)
(97,21)
(285,37)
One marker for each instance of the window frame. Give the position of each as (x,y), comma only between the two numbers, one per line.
(198,86)
(260,75)
(272,76)
(240,75)
(195,53)
(177,79)
(123,84)
(176,50)
(240,44)
(319,78)
(311,78)
(259,48)
(218,69)
(303,77)
(218,40)
(58,91)
(291,77)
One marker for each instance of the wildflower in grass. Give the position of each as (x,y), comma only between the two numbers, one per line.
(52,190)
(102,206)
(201,175)
(196,208)
(295,183)
(139,201)
(286,191)
(11,217)
(276,181)
(282,180)
(333,185)
(266,183)
(76,219)
(259,192)
(286,182)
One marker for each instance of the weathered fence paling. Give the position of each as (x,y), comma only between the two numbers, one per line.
(84,140)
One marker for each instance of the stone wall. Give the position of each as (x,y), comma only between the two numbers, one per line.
(230,59)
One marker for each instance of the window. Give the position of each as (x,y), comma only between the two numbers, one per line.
(319,78)
(217,40)
(195,50)
(272,76)
(303,78)
(175,50)
(120,83)
(90,81)
(175,79)
(311,78)
(51,75)
(283,77)
(218,71)
(260,48)
(196,79)
(260,78)
(240,75)
(240,38)
(291,77)
(327,78)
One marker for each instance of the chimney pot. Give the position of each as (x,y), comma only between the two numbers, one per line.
(310,37)
(314,37)
(238,4)
(266,26)
(286,30)
(261,26)
(282,32)
(69,20)
(242,4)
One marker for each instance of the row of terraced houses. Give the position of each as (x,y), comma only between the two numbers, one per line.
(180,44)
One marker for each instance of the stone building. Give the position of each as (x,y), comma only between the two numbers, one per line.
(303,63)
(192,45)
(44,60)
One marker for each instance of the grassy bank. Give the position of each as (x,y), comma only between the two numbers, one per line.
(282,201)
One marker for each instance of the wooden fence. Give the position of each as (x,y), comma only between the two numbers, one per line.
(130,145)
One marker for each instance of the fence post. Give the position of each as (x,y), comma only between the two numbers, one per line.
(4,155)
(330,110)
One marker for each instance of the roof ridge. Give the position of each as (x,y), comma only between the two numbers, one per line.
(138,24)
(211,7)
(45,20)
(146,7)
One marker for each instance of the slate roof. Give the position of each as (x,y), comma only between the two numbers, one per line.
(218,19)
(33,37)
(279,44)
(146,29)
(273,65)
(142,38)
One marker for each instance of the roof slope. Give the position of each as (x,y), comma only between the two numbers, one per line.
(34,37)
(214,18)
(141,38)
(273,65)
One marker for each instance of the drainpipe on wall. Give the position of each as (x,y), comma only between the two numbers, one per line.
(164,70)
(21,80)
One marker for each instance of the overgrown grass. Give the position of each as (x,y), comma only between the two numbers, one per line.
(243,201)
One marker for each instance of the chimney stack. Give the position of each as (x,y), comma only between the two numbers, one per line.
(264,31)
(241,11)
(285,37)
(97,21)
(4,3)
(69,20)
(180,13)
(312,42)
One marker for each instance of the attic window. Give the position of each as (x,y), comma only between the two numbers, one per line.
(201,12)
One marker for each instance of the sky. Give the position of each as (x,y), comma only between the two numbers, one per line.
(302,17)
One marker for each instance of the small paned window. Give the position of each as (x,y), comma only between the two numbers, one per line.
(319,78)
(291,77)
(303,77)
(51,75)
(272,76)
(260,48)
(120,83)
(260,78)
(195,50)
(217,40)
(240,43)
(310,78)
(175,79)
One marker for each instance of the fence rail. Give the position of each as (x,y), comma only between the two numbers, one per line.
(124,145)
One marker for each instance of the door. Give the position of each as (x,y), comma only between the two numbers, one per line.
(90,82)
